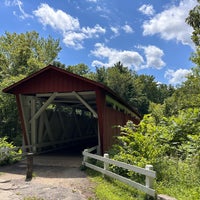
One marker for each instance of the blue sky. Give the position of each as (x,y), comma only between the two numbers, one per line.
(150,37)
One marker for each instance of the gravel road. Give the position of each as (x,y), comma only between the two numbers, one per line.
(55,178)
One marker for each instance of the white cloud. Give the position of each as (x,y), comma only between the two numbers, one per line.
(170,24)
(90,32)
(127,28)
(75,39)
(115,30)
(94,1)
(131,59)
(147,9)
(73,34)
(128,58)
(19,4)
(153,57)
(178,76)
(58,20)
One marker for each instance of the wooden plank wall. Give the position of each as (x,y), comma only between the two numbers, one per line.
(112,118)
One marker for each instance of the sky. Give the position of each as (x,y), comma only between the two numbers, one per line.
(149,37)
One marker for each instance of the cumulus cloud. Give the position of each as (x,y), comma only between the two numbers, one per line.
(153,56)
(58,20)
(131,59)
(127,28)
(73,34)
(128,58)
(115,30)
(170,24)
(147,9)
(178,76)
(19,4)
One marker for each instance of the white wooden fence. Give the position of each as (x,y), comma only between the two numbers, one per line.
(148,172)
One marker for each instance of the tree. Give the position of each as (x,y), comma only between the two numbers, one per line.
(25,53)
(59,64)
(194,22)
(20,55)
(137,90)
(80,69)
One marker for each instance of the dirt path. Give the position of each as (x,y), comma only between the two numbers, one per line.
(55,178)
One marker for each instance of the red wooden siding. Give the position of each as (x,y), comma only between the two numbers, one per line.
(52,81)
(112,118)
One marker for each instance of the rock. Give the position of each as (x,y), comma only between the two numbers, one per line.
(165,197)
(4,181)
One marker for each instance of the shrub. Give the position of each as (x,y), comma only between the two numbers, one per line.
(12,155)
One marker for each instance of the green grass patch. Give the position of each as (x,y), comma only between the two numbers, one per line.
(108,188)
(32,198)
(180,179)
(180,192)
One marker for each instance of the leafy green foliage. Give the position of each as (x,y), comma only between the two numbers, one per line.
(20,55)
(80,69)
(137,90)
(25,53)
(11,156)
(193,20)
(170,144)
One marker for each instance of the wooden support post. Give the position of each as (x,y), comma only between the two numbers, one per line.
(24,116)
(29,169)
(99,142)
(33,126)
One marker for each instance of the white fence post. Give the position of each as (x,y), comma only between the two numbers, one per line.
(106,165)
(85,157)
(149,180)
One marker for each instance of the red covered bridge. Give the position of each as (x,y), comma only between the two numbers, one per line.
(59,108)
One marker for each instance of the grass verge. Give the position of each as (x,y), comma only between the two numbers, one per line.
(111,189)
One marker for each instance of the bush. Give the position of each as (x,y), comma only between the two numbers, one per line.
(171,145)
(12,155)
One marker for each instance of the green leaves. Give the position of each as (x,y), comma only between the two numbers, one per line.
(25,53)
(20,55)
(12,155)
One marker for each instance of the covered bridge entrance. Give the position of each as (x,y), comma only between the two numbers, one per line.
(59,108)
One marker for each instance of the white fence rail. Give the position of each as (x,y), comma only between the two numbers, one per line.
(148,172)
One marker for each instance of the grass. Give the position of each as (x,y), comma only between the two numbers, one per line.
(176,178)
(32,198)
(1,173)
(111,189)
(180,179)
(179,191)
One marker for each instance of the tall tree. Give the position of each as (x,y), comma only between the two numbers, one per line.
(20,55)
(25,53)
(194,22)
(80,69)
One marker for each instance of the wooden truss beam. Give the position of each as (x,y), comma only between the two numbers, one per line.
(44,106)
(85,104)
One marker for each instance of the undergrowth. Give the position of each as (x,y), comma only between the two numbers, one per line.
(111,189)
